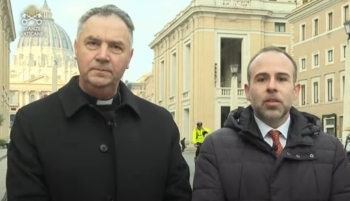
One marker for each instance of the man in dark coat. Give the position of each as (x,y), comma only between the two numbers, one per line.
(270,151)
(94,139)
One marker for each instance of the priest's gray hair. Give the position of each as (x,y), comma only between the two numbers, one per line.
(107,10)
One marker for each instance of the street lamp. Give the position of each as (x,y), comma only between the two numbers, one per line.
(346,95)
(234,90)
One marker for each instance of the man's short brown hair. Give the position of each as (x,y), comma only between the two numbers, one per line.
(273,49)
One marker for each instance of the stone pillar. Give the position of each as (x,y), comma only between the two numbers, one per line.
(2,80)
(346,99)
(26,97)
(20,98)
(37,95)
(7,83)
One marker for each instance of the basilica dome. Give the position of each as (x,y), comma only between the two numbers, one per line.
(44,48)
(49,34)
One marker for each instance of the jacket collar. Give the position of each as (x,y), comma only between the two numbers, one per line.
(72,105)
(301,129)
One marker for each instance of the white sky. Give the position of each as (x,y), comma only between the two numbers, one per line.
(149,17)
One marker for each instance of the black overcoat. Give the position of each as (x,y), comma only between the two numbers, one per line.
(63,149)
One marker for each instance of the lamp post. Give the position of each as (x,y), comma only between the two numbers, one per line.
(346,96)
(234,91)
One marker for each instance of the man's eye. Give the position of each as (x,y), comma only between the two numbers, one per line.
(92,43)
(282,79)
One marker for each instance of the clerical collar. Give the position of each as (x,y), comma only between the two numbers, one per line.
(116,99)
(104,102)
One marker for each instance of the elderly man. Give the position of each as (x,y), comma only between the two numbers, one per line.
(270,151)
(91,140)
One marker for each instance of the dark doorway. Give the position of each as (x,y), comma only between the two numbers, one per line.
(225,111)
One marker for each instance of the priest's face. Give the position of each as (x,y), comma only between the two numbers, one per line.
(103,51)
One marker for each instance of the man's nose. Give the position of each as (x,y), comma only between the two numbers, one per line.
(272,85)
(103,54)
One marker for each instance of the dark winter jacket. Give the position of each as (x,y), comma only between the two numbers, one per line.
(236,164)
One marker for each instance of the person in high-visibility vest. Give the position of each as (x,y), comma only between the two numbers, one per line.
(198,136)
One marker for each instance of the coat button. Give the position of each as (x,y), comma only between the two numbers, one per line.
(103,148)
(298,156)
(288,153)
(311,156)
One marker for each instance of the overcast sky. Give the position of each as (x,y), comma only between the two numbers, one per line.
(149,17)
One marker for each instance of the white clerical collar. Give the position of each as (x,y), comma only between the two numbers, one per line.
(104,102)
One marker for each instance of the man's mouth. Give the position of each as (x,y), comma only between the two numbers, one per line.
(100,69)
(272,102)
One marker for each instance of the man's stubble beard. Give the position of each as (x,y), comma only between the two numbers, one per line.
(271,115)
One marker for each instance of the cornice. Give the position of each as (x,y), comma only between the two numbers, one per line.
(12,23)
(310,9)
(8,22)
(193,12)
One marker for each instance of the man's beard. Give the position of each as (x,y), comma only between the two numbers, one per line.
(271,115)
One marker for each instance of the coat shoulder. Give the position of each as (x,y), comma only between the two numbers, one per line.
(223,137)
(43,107)
(327,141)
(151,110)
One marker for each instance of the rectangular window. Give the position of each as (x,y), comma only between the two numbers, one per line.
(315,27)
(344,51)
(315,92)
(186,68)
(316,60)
(330,21)
(303,63)
(172,75)
(280,27)
(330,89)
(161,81)
(330,55)
(346,13)
(303,32)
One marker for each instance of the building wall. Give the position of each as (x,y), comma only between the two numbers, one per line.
(7,35)
(195,66)
(136,88)
(149,88)
(143,87)
(316,64)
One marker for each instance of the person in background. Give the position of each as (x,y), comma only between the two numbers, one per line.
(198,136)
(270,151)
(94,139)
(183,144)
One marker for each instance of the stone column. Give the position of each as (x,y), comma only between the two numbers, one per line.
(26,97)
(346,99)
(37,95)
(7,84)
(2,79)
(20,98)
